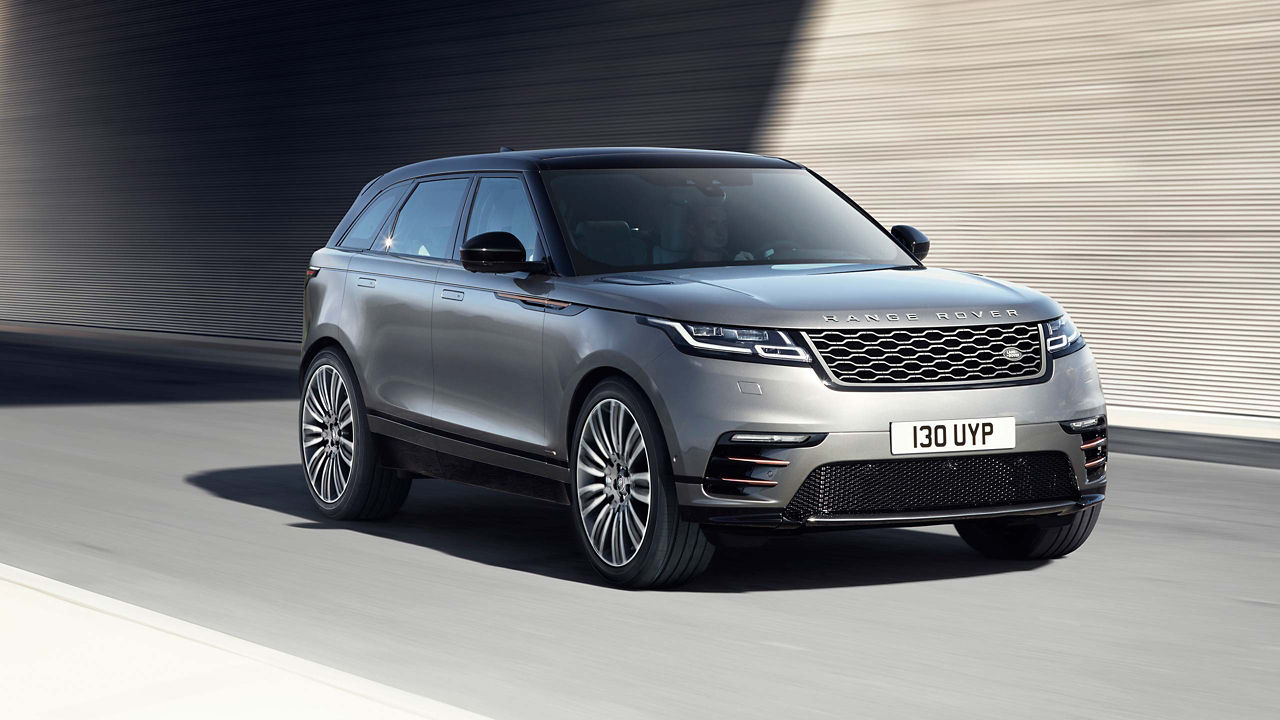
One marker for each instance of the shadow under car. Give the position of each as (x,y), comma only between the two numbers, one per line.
(515,532)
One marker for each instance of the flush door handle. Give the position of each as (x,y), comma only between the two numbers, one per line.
(448,294)
(367,282)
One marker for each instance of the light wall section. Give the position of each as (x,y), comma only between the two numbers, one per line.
(1123,157)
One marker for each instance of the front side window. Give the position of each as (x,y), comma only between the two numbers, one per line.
(502,204)
(426,222)
(653,218)
(360,236)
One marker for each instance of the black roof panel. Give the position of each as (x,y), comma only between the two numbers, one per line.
(572,158)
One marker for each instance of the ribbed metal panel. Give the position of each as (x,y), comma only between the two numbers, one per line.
(171,166)
(1122,156)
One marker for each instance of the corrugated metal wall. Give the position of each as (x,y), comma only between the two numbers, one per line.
(171,166)
(1121,156)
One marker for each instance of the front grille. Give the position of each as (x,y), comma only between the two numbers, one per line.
(971,481)
(917,356)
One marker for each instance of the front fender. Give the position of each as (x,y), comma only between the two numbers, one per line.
(582,349)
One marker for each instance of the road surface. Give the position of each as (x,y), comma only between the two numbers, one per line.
(176,487)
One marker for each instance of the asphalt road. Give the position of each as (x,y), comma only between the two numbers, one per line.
(176,487)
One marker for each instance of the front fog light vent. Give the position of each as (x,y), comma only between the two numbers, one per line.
(746,464)
(734,472)
(1093,442)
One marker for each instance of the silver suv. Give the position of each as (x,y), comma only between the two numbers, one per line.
(686,347)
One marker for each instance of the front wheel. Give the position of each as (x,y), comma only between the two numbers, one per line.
(625,512)
(1030,538)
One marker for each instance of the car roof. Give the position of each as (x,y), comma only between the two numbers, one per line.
(581,158)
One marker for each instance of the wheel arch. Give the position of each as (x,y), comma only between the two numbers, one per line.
(313,348)
(599,374)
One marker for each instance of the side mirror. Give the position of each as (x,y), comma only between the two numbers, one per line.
(911,239)
(497,252)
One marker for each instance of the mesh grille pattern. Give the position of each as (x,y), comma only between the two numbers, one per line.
(930,355)
(884,486)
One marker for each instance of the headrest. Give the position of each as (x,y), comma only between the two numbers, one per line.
(673,235)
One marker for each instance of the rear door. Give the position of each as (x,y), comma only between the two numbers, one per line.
(391,293)
(487,342)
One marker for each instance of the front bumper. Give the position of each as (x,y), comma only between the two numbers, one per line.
(727,396)
(706,501)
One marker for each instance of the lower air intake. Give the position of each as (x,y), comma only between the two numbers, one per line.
(887,486)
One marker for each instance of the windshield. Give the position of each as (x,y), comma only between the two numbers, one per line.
(651,218)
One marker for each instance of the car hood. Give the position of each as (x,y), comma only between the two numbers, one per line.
(813,296)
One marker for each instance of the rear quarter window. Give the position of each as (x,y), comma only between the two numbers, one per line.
(362,232)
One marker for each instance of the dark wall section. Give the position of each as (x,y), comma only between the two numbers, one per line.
(170,166)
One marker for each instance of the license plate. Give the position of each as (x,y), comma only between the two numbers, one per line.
(935,436)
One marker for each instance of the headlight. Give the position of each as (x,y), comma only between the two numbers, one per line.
(731,342)
(1062,337)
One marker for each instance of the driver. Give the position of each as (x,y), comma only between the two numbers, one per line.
(708,231)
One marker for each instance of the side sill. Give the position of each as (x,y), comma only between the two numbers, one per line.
(460,448)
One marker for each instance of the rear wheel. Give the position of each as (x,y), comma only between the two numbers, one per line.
(1030,538)
(338,453)
(625,511)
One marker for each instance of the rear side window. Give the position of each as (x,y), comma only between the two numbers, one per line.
(362,231)
(502,204)
(425,225)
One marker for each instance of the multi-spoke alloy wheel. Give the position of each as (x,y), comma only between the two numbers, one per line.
(626,512)
(613,482)
(344,474)
(328,434)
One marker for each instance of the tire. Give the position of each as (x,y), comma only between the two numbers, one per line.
(670,550)
(1030,538)
(368,491)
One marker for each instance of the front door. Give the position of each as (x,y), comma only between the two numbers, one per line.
(487,343)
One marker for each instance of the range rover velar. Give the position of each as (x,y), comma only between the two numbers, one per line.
(686,347)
